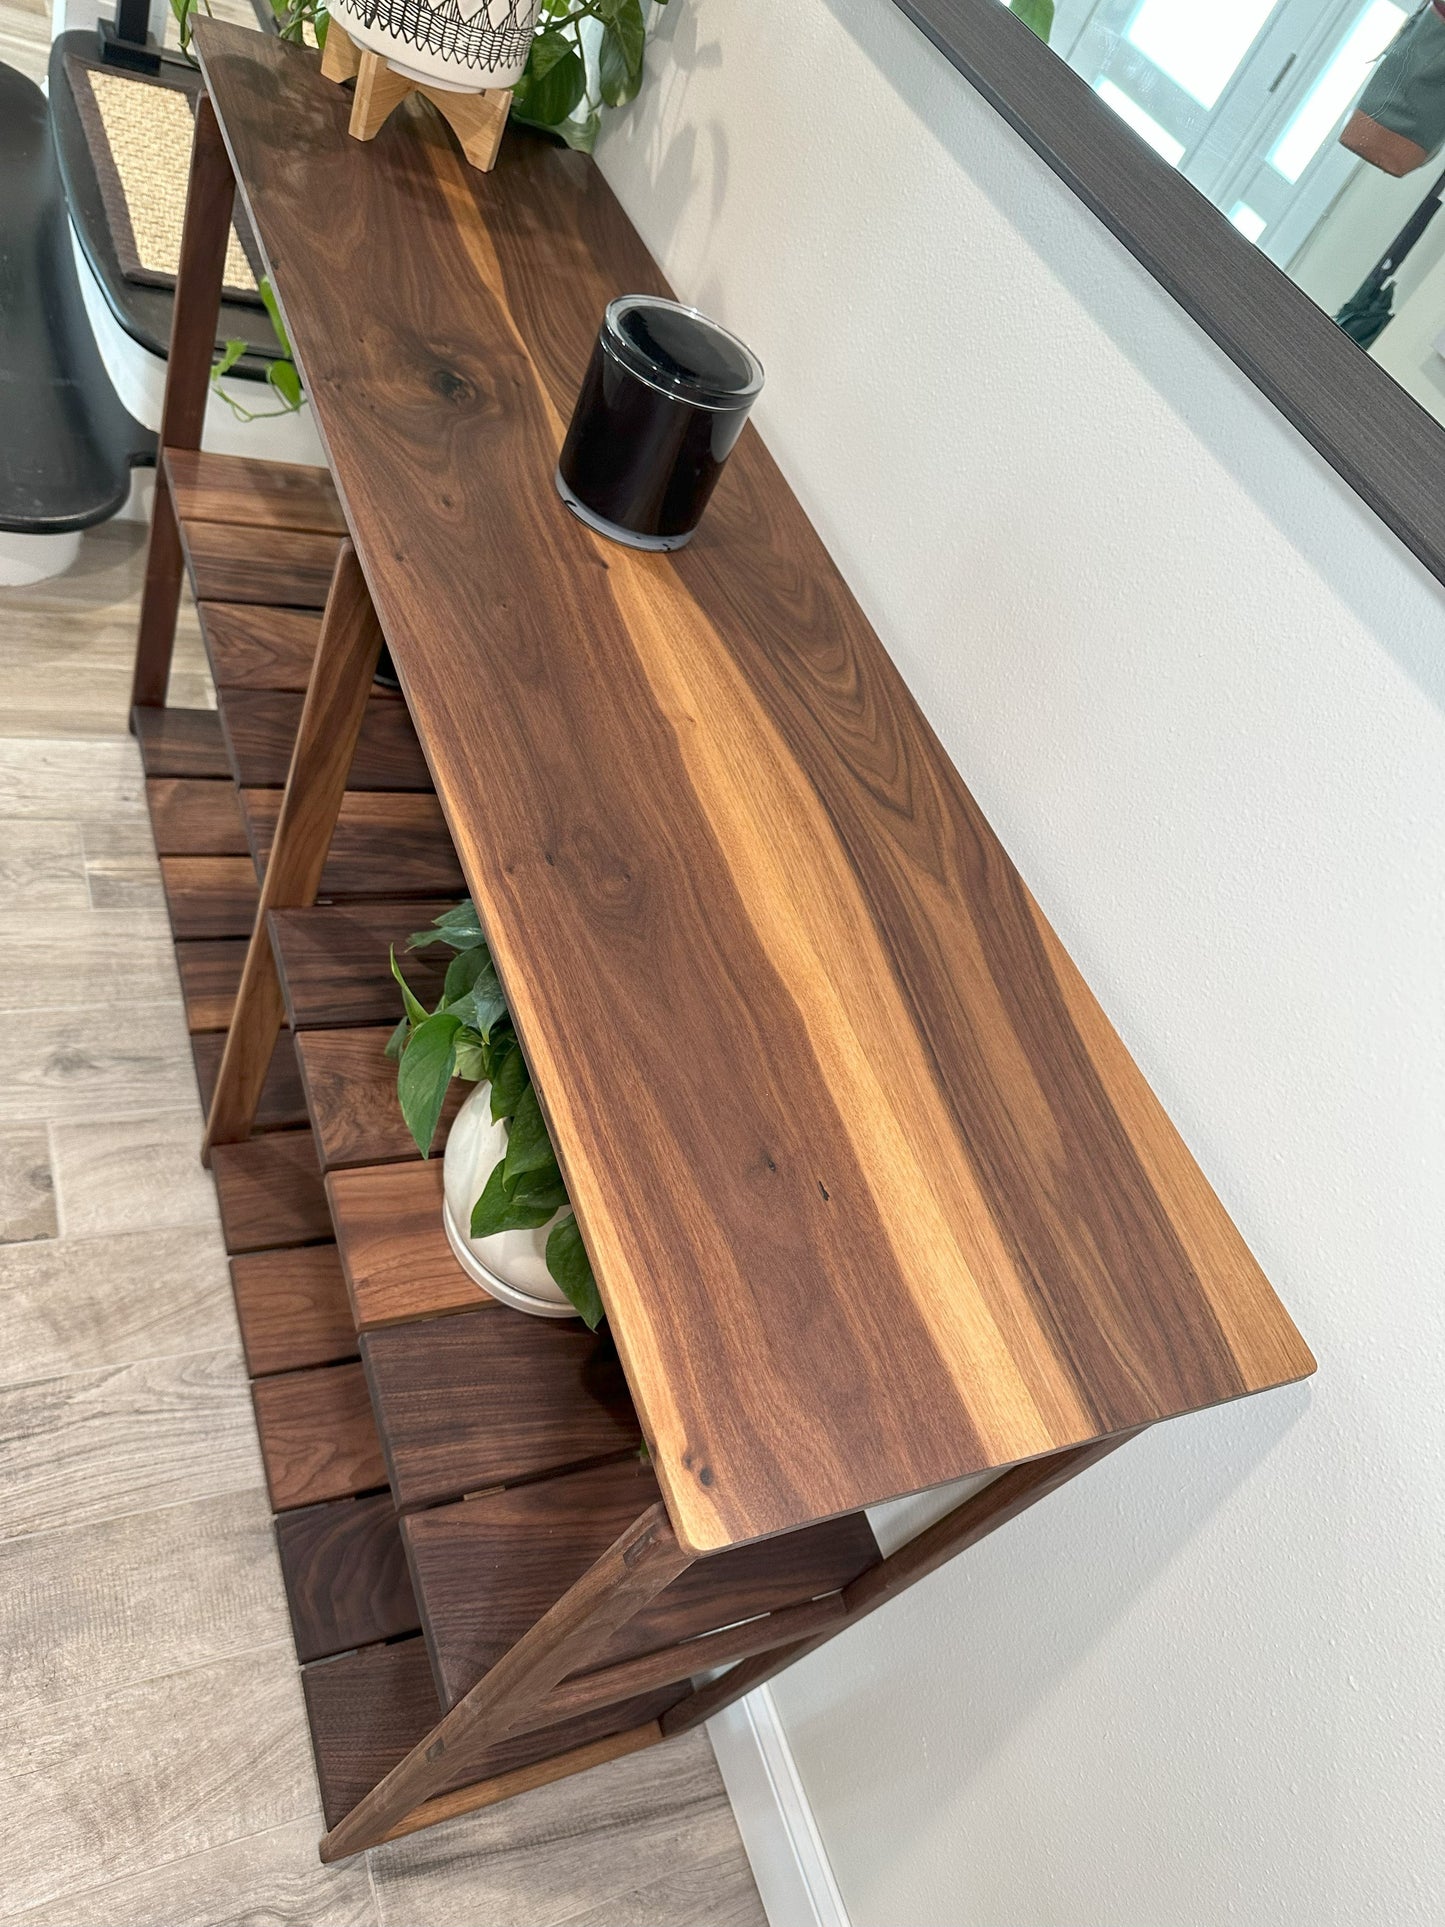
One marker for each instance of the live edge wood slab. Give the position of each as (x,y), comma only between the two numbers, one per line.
(875,1195)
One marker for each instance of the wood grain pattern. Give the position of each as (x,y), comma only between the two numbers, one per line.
(484,1396)
(253,494)
(335,962)
(252,647)
(181,742)
(205,236)
(260,730)
(293,1309)
(270,1192)
(382,846)
(711,819)
(350,1091)
(318,1438)
(306,811)
(394,1253)
(210,896)
(195,816)
(210,970)
(638,1564)
(277,566)
(346,1578)
(282,1105)
(368,1709)
(487,1568)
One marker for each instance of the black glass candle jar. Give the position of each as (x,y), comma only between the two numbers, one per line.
(664,398)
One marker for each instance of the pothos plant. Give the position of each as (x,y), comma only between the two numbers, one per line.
(470,1035)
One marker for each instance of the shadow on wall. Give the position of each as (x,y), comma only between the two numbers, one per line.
(1385,586)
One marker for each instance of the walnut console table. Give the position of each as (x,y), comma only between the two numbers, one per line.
(874,1195)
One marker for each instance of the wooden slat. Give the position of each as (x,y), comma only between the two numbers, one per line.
(350,1089)
(345,1574)
(181,742)
(270,1192)
(948,1227)
(260,729)
(293,1309)
(383,846)
(487,1568)
(195,816)
(255,494)
(318,1438)
(486,1396)
(229,564)
(394,1253)
(210,970)
(334,961)
(210,896)
(283,1101)
(369,1709)
(253,647)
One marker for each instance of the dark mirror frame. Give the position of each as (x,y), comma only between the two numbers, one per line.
(1381,441)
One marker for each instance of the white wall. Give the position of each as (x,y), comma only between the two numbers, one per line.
(1199,691)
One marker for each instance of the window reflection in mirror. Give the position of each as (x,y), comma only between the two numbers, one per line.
(1316,126)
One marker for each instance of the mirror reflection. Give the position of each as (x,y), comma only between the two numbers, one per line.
(1315,125)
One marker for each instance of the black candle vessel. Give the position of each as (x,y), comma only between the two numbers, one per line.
(664,398)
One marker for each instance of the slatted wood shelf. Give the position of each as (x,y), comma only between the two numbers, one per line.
(383,846)
(350,1089)
(259,726)
(485,1397)
(253,494)
(286,569)
(210,971)
(318,1437)
(209,897)
(283,1101)
(334,962)
(292,1308)
(195,816)
(486,1569)
(180,742)
(345,1572)
(270,1192)
(393,1251)
(369,1708)
(251,646)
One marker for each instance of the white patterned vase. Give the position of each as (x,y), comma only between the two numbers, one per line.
(465,46)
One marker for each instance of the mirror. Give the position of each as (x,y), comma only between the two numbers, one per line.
(1315,126)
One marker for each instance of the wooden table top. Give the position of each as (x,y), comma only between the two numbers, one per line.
(875,1196)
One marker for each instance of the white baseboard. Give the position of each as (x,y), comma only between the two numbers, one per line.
(779,1833)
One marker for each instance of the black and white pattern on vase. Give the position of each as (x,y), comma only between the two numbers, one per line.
(476,45)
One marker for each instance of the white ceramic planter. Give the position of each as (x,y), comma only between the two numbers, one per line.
(464,45)
(510,1265)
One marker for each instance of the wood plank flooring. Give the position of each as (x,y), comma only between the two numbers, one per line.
(154,1759)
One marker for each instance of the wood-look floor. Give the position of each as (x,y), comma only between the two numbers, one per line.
(154,1761)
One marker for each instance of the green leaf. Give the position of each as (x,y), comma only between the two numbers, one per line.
(416,1011)
(273,310)
(620,60)
(497,1210)
(539,1189)
(509,1078)
(529,1148)
(483,1005)
(568,1263)
(1037,16)
(396,1043)
(462,973)
(227,360)
(472,1064)
(460,927)
(555,80)
(284,379)
(426,1069)
(581,135)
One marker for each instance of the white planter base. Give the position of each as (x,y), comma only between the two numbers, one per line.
(511,1266)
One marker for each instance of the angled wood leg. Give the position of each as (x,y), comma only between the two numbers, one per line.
(204,240)
(340,57)
(1005,1498)
(477,120)
(379,90)
(331,719)
(633,1570)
